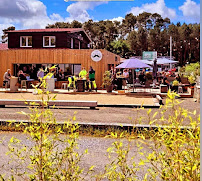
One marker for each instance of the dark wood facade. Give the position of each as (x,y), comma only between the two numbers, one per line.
(63,39)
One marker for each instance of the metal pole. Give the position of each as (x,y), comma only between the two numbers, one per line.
(170,50)
(133,78)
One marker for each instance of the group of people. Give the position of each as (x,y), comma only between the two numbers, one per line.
(7,77)
(89,78)
(127,76)
(165,76)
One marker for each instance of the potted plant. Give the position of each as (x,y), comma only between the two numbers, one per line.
(107,81)
(175,85)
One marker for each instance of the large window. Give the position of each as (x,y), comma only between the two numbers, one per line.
(26,41)
(49,41)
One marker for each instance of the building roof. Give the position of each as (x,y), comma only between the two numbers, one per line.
(49,30)
(3,46)
(68,30)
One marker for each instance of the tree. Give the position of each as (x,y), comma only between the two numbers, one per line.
(5,35)
(121,48)
(132,40)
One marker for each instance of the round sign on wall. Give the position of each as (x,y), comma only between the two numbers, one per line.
(96,55)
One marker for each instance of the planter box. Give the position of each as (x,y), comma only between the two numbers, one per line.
(163,88)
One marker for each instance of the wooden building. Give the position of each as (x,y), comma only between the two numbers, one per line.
(68,48)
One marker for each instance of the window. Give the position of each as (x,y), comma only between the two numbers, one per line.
(26,41)
(72,43)
(49,41)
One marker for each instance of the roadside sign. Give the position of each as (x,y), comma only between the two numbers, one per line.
(148,55)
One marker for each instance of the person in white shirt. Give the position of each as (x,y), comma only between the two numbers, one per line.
(6,78)
(126,74)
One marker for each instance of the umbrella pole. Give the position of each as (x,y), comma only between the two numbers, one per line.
(133,78)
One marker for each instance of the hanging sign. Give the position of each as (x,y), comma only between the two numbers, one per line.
(96,55)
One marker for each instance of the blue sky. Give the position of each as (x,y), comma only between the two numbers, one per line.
(24,14)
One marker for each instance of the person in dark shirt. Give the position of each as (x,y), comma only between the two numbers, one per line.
(165,80)
(21,76)
(142,78)
(178,78)
(91,75)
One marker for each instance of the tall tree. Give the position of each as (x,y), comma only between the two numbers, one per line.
(5,35)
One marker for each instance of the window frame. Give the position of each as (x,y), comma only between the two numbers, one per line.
(27,41)
(49,41)
(72,43)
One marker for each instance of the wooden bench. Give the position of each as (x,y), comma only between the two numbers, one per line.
(91,104)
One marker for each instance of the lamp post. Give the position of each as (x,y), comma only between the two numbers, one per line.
(170,50)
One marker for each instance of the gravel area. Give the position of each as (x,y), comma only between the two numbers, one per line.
(97,153)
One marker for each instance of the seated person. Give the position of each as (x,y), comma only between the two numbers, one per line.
(178,78)
(165,80)
(6,78)
(61,75)
(142,78)
(126,74)
(21,76)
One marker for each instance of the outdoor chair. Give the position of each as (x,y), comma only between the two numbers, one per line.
(23,84)
(64,85)
(180,89)
(5,84)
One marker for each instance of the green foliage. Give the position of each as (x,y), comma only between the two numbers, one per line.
(122,167)
(5,34)
(191,71)
(174,152)
(107,80)
(175,83)
(120,47)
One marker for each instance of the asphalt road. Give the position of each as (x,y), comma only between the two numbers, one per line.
(101,114)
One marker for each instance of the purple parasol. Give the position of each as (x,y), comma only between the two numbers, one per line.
(132,63)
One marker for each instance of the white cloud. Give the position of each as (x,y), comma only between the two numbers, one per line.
(33,13)
(78,10)
(117,19)
(158,7)
(25,14)
(191,11)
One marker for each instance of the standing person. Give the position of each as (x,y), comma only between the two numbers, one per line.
(40,74)
(92,79)
(6,78)
(71,82)
(83,75)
